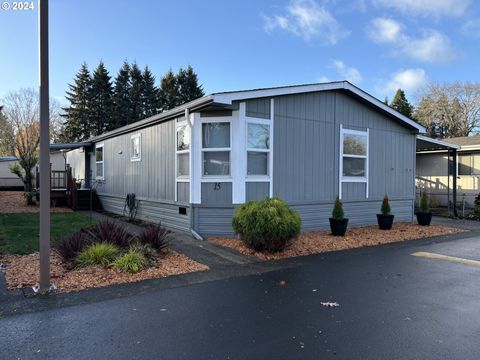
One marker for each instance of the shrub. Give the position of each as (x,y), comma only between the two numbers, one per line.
(477,204)
(337,212)
(97,254)
(385,209)
(424,207)
(110,232)
(156,236)
(70,246)
(132,262)
(266,225)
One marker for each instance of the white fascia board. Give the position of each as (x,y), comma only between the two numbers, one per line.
(228,98)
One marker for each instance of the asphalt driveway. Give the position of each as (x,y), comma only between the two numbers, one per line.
(392,306)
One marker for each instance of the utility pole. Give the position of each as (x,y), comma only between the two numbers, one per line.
(44,148)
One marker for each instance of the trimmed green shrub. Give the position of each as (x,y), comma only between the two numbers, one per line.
(424,206)
(146,250)
(97,254)
(337,212)
(385,208)
(132,262)
(154,235)
(266,225)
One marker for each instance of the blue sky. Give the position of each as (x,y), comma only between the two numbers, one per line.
(379,45)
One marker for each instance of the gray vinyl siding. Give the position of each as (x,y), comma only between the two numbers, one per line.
(216,220)
(151,211)
(77,161)
(259,108)
(183,194)
(216,193)
(152,178)
(256,190)
(306,149)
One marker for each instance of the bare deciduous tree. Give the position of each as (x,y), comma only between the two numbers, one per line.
(21,109)
(450,110)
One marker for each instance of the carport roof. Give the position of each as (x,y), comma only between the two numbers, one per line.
(424,143)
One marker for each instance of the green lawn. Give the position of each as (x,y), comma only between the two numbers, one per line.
(19,232)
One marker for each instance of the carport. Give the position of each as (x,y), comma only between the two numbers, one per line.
(426,144)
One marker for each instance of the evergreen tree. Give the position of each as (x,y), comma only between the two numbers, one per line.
(77,116)
(149,93)
(401,104)
(121,98)
(168,94)
(188,87)
(101,101)
(136,89)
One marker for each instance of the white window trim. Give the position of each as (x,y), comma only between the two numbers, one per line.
(259,178)
(98,146)
(216,178)
(182,178)
(353,179)
(134,158)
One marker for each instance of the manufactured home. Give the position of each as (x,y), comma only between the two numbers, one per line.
(189,167)
(435,171)
(9,181)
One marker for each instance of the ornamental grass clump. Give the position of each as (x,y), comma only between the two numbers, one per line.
(424,206)
(97,254)
(110,232)
(70,246)
(156,236)
(266,225)
(132,261)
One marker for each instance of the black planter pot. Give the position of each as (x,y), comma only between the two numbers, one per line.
(424,219)
(338,227)
(385,222)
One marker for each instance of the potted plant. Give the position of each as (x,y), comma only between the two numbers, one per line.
(338,223)
(385,219)
(424,216)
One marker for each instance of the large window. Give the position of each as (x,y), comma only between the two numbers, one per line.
(216,148)
(469,164)
(354,155)
(183,151)
(99,163)
(135,148)
(258,149)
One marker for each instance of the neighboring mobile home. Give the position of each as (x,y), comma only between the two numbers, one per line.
(432,171)
(9,181)
(191,166)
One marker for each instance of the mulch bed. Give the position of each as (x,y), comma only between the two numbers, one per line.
(22,271)
(321,241)
(14,202)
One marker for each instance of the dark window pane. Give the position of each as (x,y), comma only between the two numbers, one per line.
(99,154)
(354,167)
(216,135)
(257,163)
(216,163)
(183,166)
(100,170)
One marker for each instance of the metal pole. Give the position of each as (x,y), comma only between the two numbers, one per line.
(454,170)
(44,149)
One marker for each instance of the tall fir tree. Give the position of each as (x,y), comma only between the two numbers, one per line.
(101,101)
(136,89)
(121,98)
(149,93)
(77,114)
(188,87)
(168,94)
(401,104)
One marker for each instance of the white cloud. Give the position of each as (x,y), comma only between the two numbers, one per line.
(346,72)
(432,46)
(427,8)
(323,79)
(409,80)
(308,20)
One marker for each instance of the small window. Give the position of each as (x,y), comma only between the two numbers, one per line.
(258,149)
(183,151)
(216,148)
(136,148)
(183,138)
(354,155)
(99,163)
